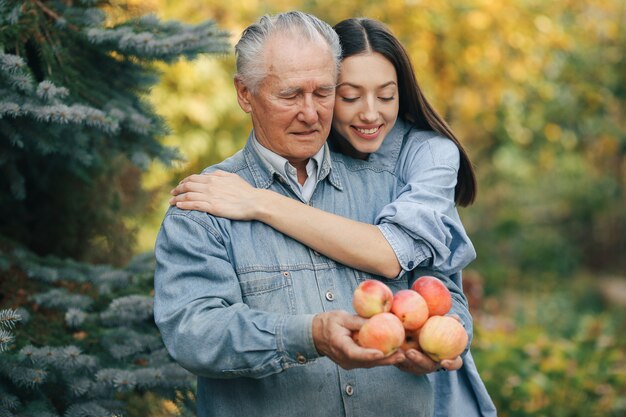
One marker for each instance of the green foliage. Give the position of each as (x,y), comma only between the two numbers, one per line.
(75,129)
(89,345)
(553,353)
(8,318)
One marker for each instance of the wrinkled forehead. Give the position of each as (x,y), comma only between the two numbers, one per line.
(293,52)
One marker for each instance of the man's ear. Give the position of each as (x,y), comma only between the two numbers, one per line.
(243,95)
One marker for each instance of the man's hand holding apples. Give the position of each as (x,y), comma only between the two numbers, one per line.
(333,337)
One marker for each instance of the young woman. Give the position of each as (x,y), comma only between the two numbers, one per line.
(380,115)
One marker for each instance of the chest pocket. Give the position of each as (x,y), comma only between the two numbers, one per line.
(268,291)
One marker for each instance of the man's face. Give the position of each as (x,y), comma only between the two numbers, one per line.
(293,107)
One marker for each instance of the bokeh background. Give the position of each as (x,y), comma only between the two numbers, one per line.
(536,92)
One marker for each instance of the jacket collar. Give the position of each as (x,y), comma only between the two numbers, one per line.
(264,174)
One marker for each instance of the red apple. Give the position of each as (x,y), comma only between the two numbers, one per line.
(411,309)
(442,337)
(372,297)
(435,293)
(383,331)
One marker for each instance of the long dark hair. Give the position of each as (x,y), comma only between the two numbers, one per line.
(359,35)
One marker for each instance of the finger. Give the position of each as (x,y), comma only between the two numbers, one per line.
(200,178)
(452,364)
(395,358)
(354,322)
(188,187)
(357,353)
(194,205)
(189,196)
(420,360)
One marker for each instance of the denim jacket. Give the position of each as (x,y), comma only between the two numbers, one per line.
(235,300)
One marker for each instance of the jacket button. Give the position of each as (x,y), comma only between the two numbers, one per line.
(330,296)
(349,389)
(300,358)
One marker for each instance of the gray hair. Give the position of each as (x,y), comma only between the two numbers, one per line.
(249,49)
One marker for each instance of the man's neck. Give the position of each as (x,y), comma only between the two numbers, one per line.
(300,167)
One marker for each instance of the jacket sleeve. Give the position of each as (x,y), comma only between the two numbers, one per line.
(199,310)
(422,224)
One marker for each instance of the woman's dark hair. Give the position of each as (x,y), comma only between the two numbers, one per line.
(362,35)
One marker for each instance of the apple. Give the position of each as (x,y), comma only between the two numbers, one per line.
(372,297)
(383,331)
(411,309)
(435,293)
(442,337)
(411,340)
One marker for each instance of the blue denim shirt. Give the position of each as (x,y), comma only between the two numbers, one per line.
(235,300)
(423,227)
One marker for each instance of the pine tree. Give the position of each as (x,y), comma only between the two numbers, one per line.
(86,343)
(75,129)
(78,339)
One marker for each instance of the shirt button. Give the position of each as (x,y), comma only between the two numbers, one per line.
(410,265)
(300,358)
(349,389)
(330,296)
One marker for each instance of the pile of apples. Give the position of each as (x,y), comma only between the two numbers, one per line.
(411,319)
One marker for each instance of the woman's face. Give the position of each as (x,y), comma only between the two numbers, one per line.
(366,103)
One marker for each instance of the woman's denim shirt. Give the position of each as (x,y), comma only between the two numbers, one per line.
(235,300)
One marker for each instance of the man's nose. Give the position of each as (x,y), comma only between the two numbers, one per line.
(308,110)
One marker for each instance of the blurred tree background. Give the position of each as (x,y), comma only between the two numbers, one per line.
(536,91)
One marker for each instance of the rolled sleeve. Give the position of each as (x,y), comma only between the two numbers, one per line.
(410,253)
(422,224)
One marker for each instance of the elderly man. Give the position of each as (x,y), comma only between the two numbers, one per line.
(260,318)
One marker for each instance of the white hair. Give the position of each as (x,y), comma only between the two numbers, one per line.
(249,49)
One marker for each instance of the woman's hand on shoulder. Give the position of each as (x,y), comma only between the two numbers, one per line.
(219,193)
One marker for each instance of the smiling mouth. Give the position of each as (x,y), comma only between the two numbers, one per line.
(368,131)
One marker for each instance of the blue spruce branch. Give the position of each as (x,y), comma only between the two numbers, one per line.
(127,310)
(9,318)
(62,299)
(6,339)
